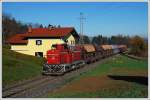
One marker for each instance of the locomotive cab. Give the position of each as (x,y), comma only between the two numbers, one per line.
(58,53)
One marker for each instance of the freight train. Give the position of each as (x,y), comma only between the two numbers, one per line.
(63,58)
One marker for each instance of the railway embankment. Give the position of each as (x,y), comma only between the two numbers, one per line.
(18,67)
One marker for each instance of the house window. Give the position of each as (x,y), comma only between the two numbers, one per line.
(38,42)
(39,54)
(73,42)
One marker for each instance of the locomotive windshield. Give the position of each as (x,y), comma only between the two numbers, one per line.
(54,46)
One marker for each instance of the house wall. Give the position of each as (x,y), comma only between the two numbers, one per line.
(31,47)
(71,40)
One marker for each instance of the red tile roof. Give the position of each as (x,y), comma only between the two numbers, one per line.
(40,32)
(17,39)
(45,32)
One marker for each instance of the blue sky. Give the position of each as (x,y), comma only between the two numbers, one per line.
(101,17)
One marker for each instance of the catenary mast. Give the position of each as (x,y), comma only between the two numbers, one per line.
(81,28)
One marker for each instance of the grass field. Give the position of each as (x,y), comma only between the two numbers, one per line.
(119,76)
(17,67)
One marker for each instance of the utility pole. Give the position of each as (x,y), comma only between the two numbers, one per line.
(81,28)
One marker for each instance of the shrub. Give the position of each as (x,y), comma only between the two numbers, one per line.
(138,45)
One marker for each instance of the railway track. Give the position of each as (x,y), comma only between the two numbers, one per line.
(21,83)
(18,88)
(43,84)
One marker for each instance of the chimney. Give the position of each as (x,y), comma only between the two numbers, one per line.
(30,29)
(50,27)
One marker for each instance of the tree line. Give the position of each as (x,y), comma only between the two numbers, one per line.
(99,40)
(10,27)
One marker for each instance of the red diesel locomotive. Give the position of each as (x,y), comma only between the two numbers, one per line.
(62,58)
